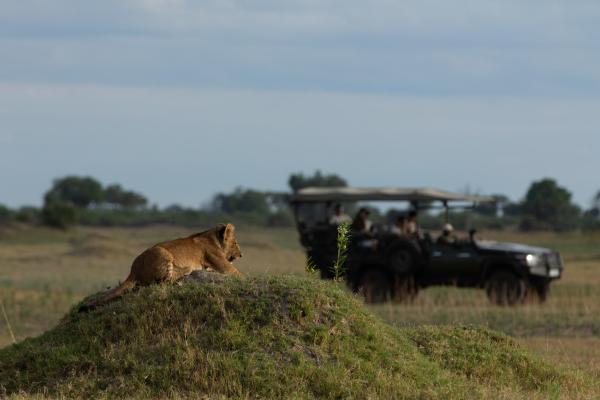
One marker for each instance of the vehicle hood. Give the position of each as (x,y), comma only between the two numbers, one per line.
(510,247)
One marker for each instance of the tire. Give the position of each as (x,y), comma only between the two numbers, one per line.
(374,285)
(537,291)
(504,288)
(405,289)
(401,261)
(542,290)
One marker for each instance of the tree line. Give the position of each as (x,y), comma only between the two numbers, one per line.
(84,200)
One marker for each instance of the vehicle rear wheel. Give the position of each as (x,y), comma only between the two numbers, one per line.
(405,289)
(504,288)
(375,286)
(400,261)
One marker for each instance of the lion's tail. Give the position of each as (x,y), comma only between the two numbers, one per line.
(111,295)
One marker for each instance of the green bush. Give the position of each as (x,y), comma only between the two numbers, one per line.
(5,214)
(281,218)
(590,222)
(28,215)
(59,215)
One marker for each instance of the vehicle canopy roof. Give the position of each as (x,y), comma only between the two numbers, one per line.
(351,194)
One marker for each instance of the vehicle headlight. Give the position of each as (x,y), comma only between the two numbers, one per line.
(534,260)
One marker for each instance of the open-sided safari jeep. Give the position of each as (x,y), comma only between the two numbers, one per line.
(395,266)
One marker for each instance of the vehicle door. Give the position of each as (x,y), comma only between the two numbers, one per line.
(450,263)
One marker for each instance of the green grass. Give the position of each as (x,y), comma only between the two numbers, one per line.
(571,311)
(43,273)
(272,337)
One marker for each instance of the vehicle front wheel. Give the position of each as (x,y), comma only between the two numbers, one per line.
(538,291)
(504,288)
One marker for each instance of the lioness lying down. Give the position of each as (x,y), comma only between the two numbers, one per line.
(211,250)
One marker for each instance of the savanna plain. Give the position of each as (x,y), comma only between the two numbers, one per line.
(44,272)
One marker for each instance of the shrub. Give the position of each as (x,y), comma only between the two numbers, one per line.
(5,214)
(28,215)
(59,215)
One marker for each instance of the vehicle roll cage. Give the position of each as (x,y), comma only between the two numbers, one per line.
(419,198)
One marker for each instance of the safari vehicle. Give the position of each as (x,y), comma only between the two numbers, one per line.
(395,267)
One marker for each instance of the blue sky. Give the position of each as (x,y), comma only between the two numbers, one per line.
(181,99)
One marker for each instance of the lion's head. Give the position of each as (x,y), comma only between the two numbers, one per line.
(229,242)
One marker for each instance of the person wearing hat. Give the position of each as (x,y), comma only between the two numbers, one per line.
(447,236)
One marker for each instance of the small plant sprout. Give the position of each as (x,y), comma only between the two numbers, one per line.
(343,239)
(311,267)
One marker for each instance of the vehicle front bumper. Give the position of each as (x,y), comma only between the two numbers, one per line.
(551,268)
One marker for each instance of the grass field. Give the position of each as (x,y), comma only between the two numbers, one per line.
(44,272)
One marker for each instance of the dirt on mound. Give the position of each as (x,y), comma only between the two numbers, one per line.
(270,337)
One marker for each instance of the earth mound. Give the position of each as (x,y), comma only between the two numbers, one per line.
(269,337)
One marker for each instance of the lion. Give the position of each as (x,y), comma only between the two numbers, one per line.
(211,250)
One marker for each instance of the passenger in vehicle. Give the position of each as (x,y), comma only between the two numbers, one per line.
(411,226)
(339,216)
(447,237)
(361,223)
(362,229)
(399,226)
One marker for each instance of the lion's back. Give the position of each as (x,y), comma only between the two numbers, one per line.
(186,250)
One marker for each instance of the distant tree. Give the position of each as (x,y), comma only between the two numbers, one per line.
(280,218)
(299,181)
(117,196)
(513,209)
(75,190)
(595,210)
(548,205)
(242,200)
(174,208)
(590,221)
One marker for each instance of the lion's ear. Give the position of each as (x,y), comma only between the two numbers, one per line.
(224,231)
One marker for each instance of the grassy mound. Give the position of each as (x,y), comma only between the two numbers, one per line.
(267,337)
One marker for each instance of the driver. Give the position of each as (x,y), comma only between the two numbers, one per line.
(447,236)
